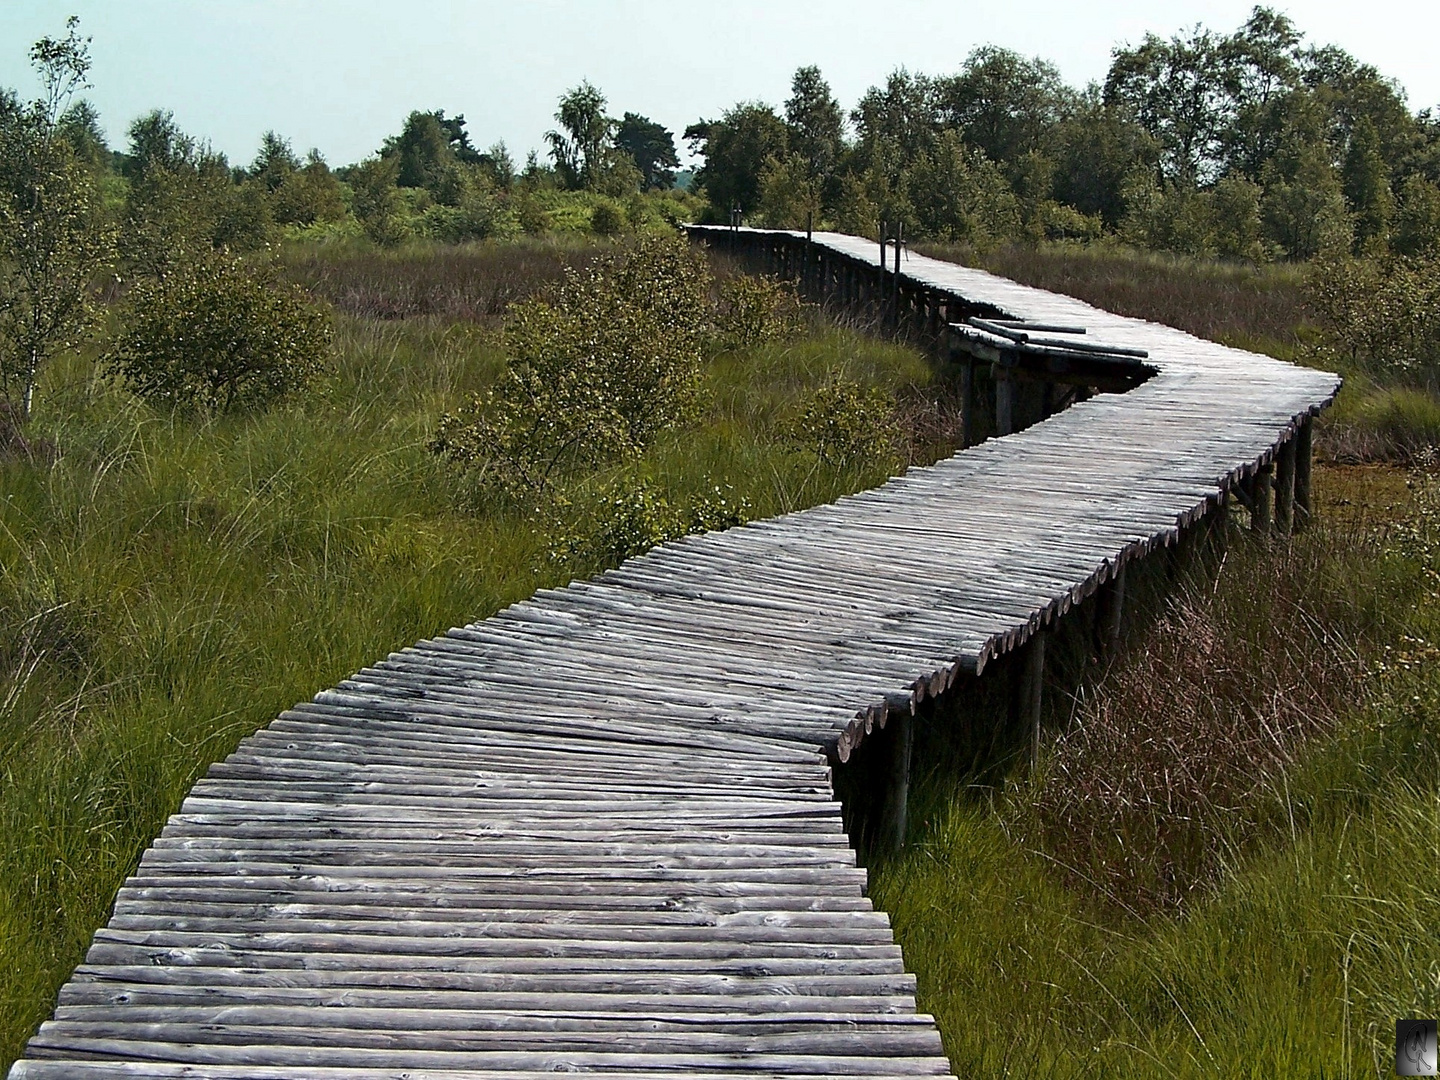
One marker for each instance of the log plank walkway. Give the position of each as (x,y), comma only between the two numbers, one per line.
(596,832)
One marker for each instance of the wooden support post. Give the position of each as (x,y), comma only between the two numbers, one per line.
(1047,400)
(1302,474)
(893,810)
(967,401)
(1112,621)
(1032,685)
(1217,533)
(1004,401)
(1285,488)
(1260,490)
(899,242)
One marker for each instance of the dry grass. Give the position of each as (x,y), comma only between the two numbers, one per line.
(1257,307)
(468,283)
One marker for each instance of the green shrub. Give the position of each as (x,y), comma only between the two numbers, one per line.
(220,335)
(1381,316)
(631,516)
(843,423)
(375,198)
(592,375)
(754,310)
(531,216)
(607,220)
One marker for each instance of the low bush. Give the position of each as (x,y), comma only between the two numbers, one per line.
(1381,316)
(221,335)
(751,311)
(631,516)
(843,422)
(594,374)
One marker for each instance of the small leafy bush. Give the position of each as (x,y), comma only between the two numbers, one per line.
(220,335)
(1381,316)
(755,310)
(631,516)
(595,373)
(844,423)
(607,219)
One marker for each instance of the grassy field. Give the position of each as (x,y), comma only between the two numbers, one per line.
(172,583)
(169,584)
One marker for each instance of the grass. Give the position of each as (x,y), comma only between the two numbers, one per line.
(170,583)
(467,282)
(1133,910)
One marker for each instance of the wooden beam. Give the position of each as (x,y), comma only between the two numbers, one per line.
(1032,687)
(1303,507)
(1004,400)
(896,801)
(1285,488)
(1113,612)
(967,401)
(1261,485)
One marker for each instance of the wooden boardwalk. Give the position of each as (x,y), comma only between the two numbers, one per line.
(596,831)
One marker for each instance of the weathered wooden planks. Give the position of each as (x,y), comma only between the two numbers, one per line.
(595,832)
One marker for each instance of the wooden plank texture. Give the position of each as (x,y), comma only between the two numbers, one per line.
(596,832)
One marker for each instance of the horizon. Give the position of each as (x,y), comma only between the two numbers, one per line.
(344,98)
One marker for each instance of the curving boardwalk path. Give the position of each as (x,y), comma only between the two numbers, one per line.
(596,832)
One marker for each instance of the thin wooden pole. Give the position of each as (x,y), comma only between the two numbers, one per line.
(899,241)
(967,401)
(895,807)
(1114,615)
(1004,401)
(1303,510)
(1032,697)
(1285,488)
(1260,492)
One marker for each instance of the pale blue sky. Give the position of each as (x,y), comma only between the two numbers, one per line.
(342,74)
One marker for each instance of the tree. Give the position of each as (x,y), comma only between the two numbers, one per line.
(1417,219)
(959,194)
(1261,66)
(736,149)
(579,150)
(422,151)
(815,124)
(896,124)
(275,161)
(500,164)
(1005,104)
(79,125)
(53,239)
(156,140)
(308,194)
(1367,184)
(376,199)
(1100,147)
(1177,90)
(652,147)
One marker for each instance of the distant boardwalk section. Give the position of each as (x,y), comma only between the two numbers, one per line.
(596,832)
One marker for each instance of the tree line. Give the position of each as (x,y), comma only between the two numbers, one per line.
(1251,144)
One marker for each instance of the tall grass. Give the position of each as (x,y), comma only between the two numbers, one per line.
(172,582)
(1236,303)
(1220,867)
(470,282)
